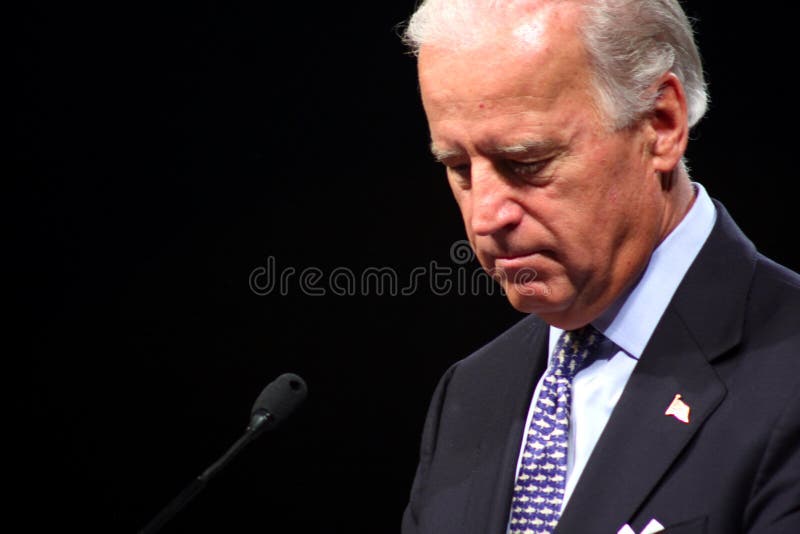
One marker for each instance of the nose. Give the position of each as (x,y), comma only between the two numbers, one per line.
(494,207)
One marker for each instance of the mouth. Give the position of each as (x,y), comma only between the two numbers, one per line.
(519,260)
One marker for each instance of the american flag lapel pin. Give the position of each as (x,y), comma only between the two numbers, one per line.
(678,409)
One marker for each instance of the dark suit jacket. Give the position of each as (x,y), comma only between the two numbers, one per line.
(729,343)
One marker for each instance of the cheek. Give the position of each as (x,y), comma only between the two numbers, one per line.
(612,185)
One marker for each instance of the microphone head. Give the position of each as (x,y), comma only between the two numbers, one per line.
(280,398)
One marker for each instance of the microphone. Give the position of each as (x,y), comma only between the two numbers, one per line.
(277,401)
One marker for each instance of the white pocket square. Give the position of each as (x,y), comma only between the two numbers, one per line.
(652,527)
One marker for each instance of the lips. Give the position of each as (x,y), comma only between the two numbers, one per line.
(515,256)
(516,261)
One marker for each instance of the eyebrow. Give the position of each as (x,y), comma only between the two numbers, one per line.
(523,147)
(441,154)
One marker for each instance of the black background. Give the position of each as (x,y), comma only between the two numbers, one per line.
(162,151)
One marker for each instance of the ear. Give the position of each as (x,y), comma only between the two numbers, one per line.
(669,124)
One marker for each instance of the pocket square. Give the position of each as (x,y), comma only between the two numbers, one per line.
(651,528)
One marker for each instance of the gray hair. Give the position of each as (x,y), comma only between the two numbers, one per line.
(630,43)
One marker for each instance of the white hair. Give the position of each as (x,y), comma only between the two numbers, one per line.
(630,43)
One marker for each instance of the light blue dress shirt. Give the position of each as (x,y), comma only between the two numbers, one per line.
(628,325)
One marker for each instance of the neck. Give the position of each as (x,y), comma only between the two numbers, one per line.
(680,197)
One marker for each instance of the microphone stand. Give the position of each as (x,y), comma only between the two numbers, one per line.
(258,423)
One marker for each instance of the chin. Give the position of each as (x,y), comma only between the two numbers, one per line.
(554,309)
(535,297)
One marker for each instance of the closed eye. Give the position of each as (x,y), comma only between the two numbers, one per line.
(527,170)
(530,172)
(460,174)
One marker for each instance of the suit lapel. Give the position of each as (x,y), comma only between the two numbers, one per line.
(524,360)
(640,442)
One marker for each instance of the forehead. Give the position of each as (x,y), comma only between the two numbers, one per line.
(467,24)
(525,65)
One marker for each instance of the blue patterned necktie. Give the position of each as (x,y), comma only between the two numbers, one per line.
(539,489)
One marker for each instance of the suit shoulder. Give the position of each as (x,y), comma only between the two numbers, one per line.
(505,355)
(524,333)
(775,294)
(777,273)
(770,343)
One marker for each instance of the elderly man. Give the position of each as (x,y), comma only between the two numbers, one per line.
(655,384)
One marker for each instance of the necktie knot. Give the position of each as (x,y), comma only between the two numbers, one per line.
(572,349)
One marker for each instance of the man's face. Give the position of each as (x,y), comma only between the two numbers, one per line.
(561,209)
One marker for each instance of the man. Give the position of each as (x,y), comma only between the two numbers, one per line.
(655,384)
